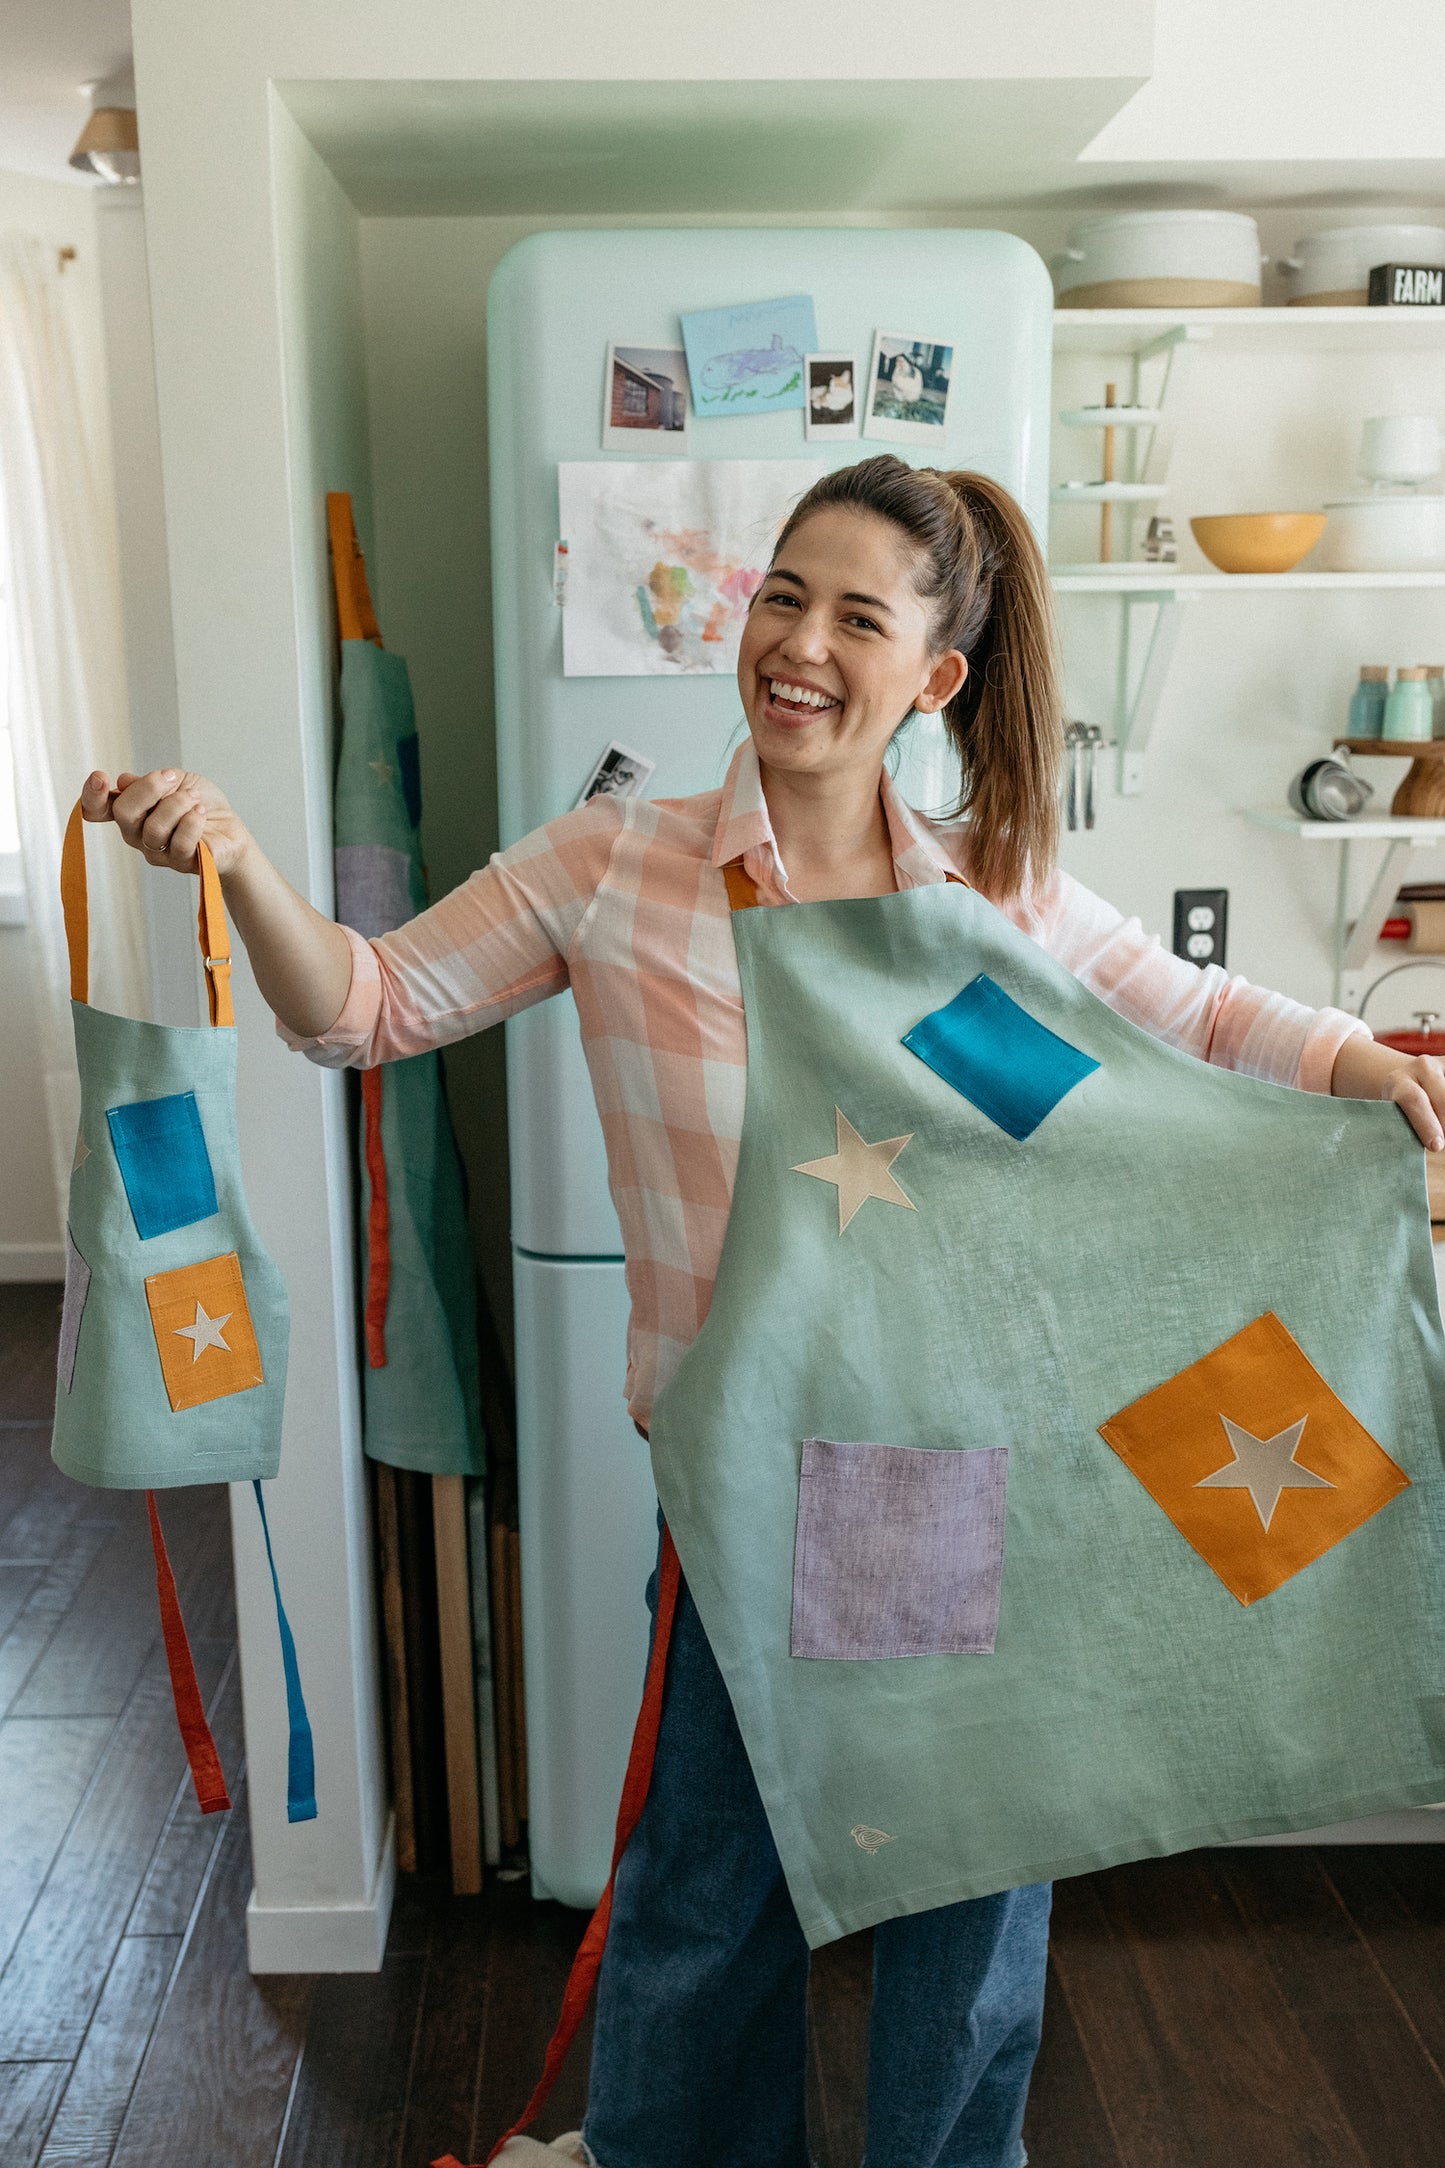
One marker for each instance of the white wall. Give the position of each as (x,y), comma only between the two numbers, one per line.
(30,1235)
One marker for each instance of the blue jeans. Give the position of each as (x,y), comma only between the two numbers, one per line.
(699,2051)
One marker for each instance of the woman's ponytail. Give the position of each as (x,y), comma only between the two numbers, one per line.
(982,573)
(1006,722)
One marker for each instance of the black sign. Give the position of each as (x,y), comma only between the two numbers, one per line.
(1407,286)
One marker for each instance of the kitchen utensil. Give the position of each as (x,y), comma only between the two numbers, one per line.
(1160,547)
(1160,259)
(1424,1039)
(1385,534)
(1400,448)
(1422,794)
(1332,269)
(1084,742)
(1367,702)
(1328,790)
(1408,711)
(1258,541)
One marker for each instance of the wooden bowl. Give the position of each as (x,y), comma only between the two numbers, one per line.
(1258,541)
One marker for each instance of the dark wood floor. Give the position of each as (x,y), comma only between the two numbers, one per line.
(1260,2009)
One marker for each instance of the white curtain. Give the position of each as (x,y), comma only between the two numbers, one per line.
(64,662)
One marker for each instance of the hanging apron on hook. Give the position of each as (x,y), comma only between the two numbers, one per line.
(1058,1470)
(173,1340)
(421,1382)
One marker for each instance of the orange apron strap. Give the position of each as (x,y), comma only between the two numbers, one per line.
(378,1222)
(206,1772)
(588,1961)
(354,613)
(215,937)
(211,926)
(742,888)
(75,904)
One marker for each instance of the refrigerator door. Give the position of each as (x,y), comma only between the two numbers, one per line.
(555,302)
(589,1541)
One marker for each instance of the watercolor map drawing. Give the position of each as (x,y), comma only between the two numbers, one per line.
(749,359)
(664,559)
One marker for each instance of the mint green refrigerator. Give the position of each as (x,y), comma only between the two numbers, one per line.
(556,304)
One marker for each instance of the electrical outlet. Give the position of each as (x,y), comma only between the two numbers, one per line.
(1201,916)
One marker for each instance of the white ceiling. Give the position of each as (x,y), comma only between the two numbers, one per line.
(49,49)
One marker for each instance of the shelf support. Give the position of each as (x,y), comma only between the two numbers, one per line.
(1354,945)
(1141,689)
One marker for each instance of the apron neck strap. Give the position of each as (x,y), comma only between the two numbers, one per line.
(215,934)
(743,889)
(354,613)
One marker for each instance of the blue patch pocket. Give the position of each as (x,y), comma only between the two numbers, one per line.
(164,1163)
(1011,1068)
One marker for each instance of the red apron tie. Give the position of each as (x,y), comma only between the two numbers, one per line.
(587,1963)
(206,1773)
(378,1224)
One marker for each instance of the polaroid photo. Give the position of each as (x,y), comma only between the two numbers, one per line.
(619,773)
(908,390)
(645,400)
(832,409)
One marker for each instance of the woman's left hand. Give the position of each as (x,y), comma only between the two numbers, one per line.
(1416,1082)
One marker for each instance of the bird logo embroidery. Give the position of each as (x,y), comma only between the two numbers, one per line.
(870,1840)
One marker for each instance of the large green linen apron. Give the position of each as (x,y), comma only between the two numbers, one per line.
(175,1325)
(972,1640)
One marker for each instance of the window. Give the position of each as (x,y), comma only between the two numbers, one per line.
(634,396)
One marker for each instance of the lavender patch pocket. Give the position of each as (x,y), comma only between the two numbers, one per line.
(899,1551)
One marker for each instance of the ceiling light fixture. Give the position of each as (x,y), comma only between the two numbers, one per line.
(109,145)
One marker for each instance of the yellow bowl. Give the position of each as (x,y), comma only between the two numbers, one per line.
(1258,541)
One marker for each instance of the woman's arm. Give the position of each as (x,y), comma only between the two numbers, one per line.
(496,944)
(301,961)
(1222,1018)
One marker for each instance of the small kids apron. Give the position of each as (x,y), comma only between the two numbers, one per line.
(173,1338)
(1058,1471)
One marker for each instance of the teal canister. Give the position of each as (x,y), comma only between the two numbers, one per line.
(1408,711)
(1435,679)
(1367,702)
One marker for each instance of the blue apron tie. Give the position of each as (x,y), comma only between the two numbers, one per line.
(300,1755)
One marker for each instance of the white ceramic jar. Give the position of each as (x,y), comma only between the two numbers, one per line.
(1332,270)
(1160,259)
(1384,534)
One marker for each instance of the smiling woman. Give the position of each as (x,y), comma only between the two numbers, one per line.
(819,1391)
(896,591)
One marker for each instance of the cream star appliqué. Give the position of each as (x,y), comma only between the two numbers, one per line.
(860,1171)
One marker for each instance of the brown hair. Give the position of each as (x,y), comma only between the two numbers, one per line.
(981,570)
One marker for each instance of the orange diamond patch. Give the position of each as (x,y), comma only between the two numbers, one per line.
(1259,1465)
(203,1330)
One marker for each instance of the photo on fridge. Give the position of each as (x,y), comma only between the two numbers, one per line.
(908,389)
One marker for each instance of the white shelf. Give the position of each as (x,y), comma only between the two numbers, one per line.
(1106,492)
(1385,830)
(1168,579)
(1126,331)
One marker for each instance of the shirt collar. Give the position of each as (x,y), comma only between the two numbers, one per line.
(745,833)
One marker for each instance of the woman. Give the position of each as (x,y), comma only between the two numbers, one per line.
(892,592)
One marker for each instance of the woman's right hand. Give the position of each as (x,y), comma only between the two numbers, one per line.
(165,814)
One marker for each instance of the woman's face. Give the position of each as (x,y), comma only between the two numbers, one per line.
(835,651)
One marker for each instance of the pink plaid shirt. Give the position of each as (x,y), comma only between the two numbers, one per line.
(624,901)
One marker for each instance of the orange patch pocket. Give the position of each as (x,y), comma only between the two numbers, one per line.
(204,1335)
(1257,1462)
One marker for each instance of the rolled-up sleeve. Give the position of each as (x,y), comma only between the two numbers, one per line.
(495,945)
(1212,1013)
